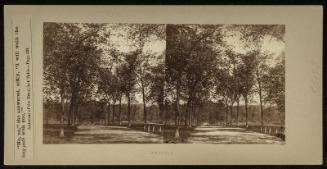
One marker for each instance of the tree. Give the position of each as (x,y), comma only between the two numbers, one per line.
(247,78)
(222,80)
(189,59)
(141,34)
(234,87)
(260,72)
(228,82)
(121,89)
(274,83)
(175,63)
(128,75)
(239,89)
(71,58)
(157,89)
(252,37)
(253,34)
(108,86)
(55,65)
(143,79)
(199,71)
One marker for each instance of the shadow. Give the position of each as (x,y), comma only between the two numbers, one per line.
(221,129)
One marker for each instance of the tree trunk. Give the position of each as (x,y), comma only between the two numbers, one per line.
(190,116)
(71,111)
(281,114)
(237,111)
(47,114)
(231,113)
(260,99)
(77,119)
(161,112)
(166,112)
(197,112)
(196,116)
(119,115)
(226,113)
(62,132)
(75,106)
(129,109)
(187,112)
(113,112)
(246,111)
(133,109)
(73,117)
(177,106)
(108,114)
(62,110)
(177,116)
(144,104)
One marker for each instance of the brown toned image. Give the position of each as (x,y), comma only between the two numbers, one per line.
(163,83)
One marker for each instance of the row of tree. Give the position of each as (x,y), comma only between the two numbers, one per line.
(81,63)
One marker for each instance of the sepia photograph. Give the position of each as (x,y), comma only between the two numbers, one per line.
(163,83)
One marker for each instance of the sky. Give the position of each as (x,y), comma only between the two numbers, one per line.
(270,45)
(120,41)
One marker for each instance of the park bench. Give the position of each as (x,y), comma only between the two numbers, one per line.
(153,127)
(275,130)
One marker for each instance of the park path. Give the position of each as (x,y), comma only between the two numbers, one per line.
(225,135)
(112,134)
(99,134)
